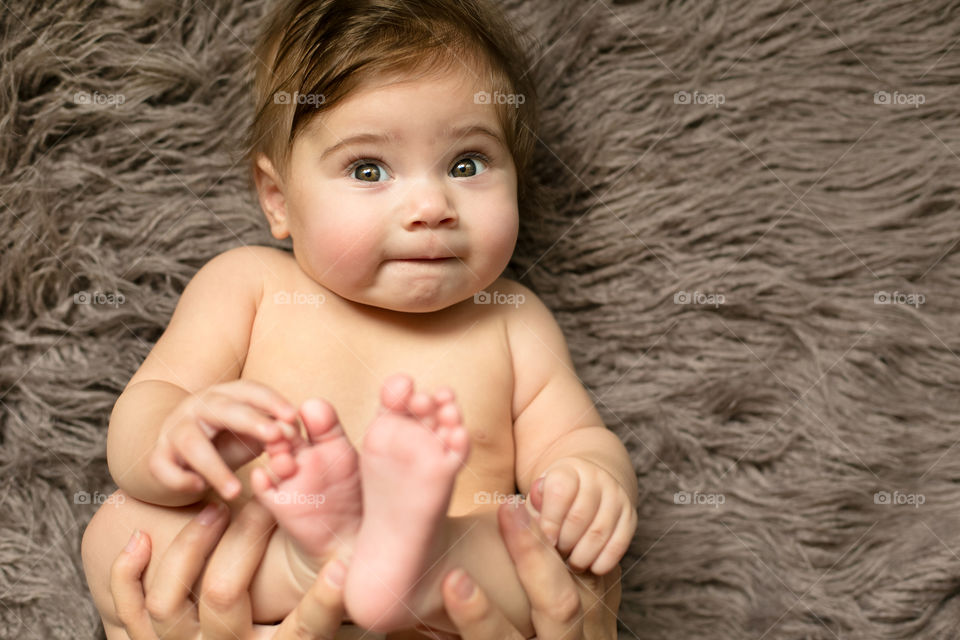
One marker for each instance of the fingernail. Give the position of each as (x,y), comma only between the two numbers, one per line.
(209,513)
(335,573)
(288,430)
(463,586)
(134,540)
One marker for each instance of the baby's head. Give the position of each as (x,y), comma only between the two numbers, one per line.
(391,141)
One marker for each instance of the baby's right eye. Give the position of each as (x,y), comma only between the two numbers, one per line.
(367,171)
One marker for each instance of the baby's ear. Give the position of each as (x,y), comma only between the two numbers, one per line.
(272,200)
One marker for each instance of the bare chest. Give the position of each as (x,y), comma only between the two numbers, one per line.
(306,346)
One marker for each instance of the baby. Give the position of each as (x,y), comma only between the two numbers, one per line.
(391,142)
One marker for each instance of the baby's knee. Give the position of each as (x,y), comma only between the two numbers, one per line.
(101,543)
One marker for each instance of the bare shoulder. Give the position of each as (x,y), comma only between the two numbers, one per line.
(518,303)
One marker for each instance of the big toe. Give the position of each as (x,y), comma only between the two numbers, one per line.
(396,392)
(319,417)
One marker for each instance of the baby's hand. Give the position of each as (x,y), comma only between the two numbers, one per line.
(224,423)
(585,512)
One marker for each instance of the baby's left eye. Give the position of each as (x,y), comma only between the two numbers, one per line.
(468,166)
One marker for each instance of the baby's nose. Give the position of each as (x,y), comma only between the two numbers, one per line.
(430,208)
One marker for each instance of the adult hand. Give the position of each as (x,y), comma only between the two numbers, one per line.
(224,610)
(557,599)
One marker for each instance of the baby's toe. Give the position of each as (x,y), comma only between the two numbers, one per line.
(448,415)
(421,406)
(395,393)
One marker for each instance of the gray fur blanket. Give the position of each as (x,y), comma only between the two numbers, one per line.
(748,230)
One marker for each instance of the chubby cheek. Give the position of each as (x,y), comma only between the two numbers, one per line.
(343,251)
(498,238)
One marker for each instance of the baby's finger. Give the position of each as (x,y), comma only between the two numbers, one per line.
(262,397)
(471,612)
(618,544)
(598,533)
(560,487)
(126,587)
(200,454)
(579,517)
(172,475)
(319,613)
(218,412)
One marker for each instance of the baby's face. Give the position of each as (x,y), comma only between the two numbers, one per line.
(404,196)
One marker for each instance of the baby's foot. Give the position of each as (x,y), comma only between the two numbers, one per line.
(316,498)
(411,454)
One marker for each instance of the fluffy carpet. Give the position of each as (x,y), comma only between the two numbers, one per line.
(753,254)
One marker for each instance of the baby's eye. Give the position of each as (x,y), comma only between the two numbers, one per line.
(369,172)
(468,166)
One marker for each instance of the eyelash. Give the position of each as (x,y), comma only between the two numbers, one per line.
(359,160)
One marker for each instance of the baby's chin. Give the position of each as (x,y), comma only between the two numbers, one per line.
(410,301)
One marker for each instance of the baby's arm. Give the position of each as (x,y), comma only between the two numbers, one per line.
(204,346)
(589,487)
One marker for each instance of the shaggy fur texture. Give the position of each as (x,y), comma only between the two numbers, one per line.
(782,408)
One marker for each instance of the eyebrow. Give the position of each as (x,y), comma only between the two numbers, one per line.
(390,137)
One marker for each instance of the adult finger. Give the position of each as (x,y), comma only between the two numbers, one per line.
(224,606)
(470,610)
(555,608)
(126,587)
(168,596)
(320,611)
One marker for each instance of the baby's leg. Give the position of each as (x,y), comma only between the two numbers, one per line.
(111,528)
(411,455)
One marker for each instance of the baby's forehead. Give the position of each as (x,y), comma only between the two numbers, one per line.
(437,105)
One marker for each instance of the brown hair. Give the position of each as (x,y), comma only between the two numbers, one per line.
(327,47)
